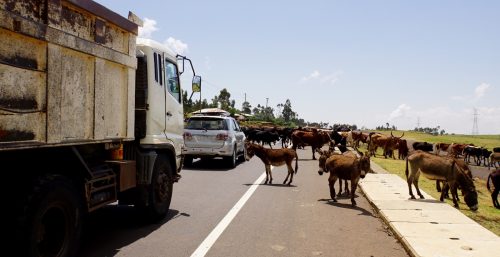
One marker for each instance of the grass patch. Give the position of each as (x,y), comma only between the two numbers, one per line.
(487,141)
(487,215)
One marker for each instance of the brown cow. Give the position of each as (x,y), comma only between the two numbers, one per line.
(375,140)
(388,143)
(440,168)
(402,149)
(442,147)
(391,145)
(346,167)
(275,157)
(316,139)
(456,150)
(359,137)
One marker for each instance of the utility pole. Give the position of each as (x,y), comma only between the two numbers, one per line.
(418,122)
(475,129)
(267,99)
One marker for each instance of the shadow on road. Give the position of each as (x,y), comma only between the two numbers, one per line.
(113,227)
(210,165)
(347,206)
(272,185)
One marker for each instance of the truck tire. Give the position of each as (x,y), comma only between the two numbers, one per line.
(160,190)
(52,224)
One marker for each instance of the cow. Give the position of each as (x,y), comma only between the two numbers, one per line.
(346,167)
(359,137)
(440,168)
(391,145)
(494,176)
(402,149)
(496,149)
(457,150)
(424,146)
(494,160)
(338,141)
(267,137)
(316,139)
(442,147)
(388,143)
(275,157)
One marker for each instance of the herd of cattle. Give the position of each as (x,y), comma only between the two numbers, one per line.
(450,169)
(316,138)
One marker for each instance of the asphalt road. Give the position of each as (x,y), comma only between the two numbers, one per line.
(276,220)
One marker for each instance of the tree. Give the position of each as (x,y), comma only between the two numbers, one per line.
(288,113)
(224,99)
(246,108)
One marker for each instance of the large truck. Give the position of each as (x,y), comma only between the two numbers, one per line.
(89,115)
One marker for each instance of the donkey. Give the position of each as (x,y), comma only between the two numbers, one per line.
(441,168)
(275,157)
(346,166)
(494,176)
(323,156)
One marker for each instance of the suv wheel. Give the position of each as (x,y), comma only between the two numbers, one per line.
(231,160)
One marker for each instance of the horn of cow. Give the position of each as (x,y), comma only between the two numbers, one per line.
(391,134)
(402,135)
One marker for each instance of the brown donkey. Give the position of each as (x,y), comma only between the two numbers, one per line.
(275,157)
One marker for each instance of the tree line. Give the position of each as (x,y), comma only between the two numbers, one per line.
(282,115)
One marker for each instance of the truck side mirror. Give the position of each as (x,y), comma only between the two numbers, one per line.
(196,86)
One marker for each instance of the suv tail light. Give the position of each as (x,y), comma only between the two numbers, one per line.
(222,136)
(187,136)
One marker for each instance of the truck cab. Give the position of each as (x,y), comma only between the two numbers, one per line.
(159,103)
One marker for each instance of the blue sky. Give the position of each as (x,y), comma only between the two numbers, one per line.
(356,62)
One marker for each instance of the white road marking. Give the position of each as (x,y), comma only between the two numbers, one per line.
(214,235)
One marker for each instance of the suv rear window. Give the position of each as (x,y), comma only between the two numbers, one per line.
(207,123)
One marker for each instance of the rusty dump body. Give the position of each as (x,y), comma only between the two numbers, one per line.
(67,74)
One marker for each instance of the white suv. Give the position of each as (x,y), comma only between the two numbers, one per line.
(213,136)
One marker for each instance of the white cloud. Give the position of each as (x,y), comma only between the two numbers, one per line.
(313,75)
(332,78)
(401,111)
(176,45)
(323,79)
(148,28)
(481,90)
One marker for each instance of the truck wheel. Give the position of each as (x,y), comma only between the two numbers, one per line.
(52,224)
(160,190)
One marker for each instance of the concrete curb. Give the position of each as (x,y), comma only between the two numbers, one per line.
(426,227)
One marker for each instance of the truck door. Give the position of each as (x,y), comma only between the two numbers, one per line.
(174,123)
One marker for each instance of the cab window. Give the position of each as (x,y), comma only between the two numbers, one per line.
(172,80)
